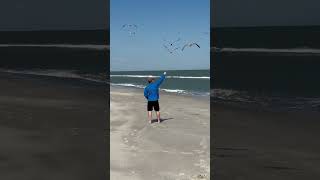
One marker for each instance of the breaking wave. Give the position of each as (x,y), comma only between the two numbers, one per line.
(178,91)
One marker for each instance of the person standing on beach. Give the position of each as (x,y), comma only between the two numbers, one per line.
(151,93)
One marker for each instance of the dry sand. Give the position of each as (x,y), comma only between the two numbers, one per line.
(178,148)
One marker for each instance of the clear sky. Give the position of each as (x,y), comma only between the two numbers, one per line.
(156,20)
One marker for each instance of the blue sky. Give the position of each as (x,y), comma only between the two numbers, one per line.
(158,20)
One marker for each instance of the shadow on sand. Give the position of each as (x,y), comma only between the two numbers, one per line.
(161,120)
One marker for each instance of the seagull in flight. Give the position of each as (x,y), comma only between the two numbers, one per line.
(190,45)
(170,50)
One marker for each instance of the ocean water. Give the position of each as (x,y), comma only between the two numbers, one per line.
(68,54)
(271,67)
(192,82)
(85,55)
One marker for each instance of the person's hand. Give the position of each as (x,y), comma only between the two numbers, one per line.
(165,73)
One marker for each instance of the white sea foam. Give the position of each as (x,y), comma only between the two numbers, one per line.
(179,91)
(175,90)
(127,85)
(75,75)
(73,46)
(189,77)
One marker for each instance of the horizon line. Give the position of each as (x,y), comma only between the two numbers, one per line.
(160,70)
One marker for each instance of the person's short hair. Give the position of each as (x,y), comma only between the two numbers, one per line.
(150,79)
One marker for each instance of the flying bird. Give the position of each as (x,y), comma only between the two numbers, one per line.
(171,46)
(172,43)
(190,45)
(170,50)
(130,28)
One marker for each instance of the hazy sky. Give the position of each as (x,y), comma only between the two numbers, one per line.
(265,12)
(157,20)
(53,14)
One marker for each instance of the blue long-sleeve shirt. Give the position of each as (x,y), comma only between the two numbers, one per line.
(151,92)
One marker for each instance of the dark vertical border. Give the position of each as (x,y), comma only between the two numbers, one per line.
(212,38)
(107,130)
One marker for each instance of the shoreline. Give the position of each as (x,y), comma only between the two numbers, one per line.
(140,90)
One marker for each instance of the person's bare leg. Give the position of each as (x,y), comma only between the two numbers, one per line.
(158,116)
(150,116)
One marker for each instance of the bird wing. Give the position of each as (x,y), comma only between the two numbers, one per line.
(185,46)
(195,44)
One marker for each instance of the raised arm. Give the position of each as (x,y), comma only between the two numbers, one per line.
(161,79)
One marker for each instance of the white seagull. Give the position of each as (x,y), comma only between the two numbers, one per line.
(190,45)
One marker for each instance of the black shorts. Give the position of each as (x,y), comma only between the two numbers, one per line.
(153,105)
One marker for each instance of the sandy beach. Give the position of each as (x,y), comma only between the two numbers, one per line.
(253,144)
(178,148)
(52,128)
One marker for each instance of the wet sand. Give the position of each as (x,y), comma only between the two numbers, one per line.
(177,148)
(52,128)
(253,144)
